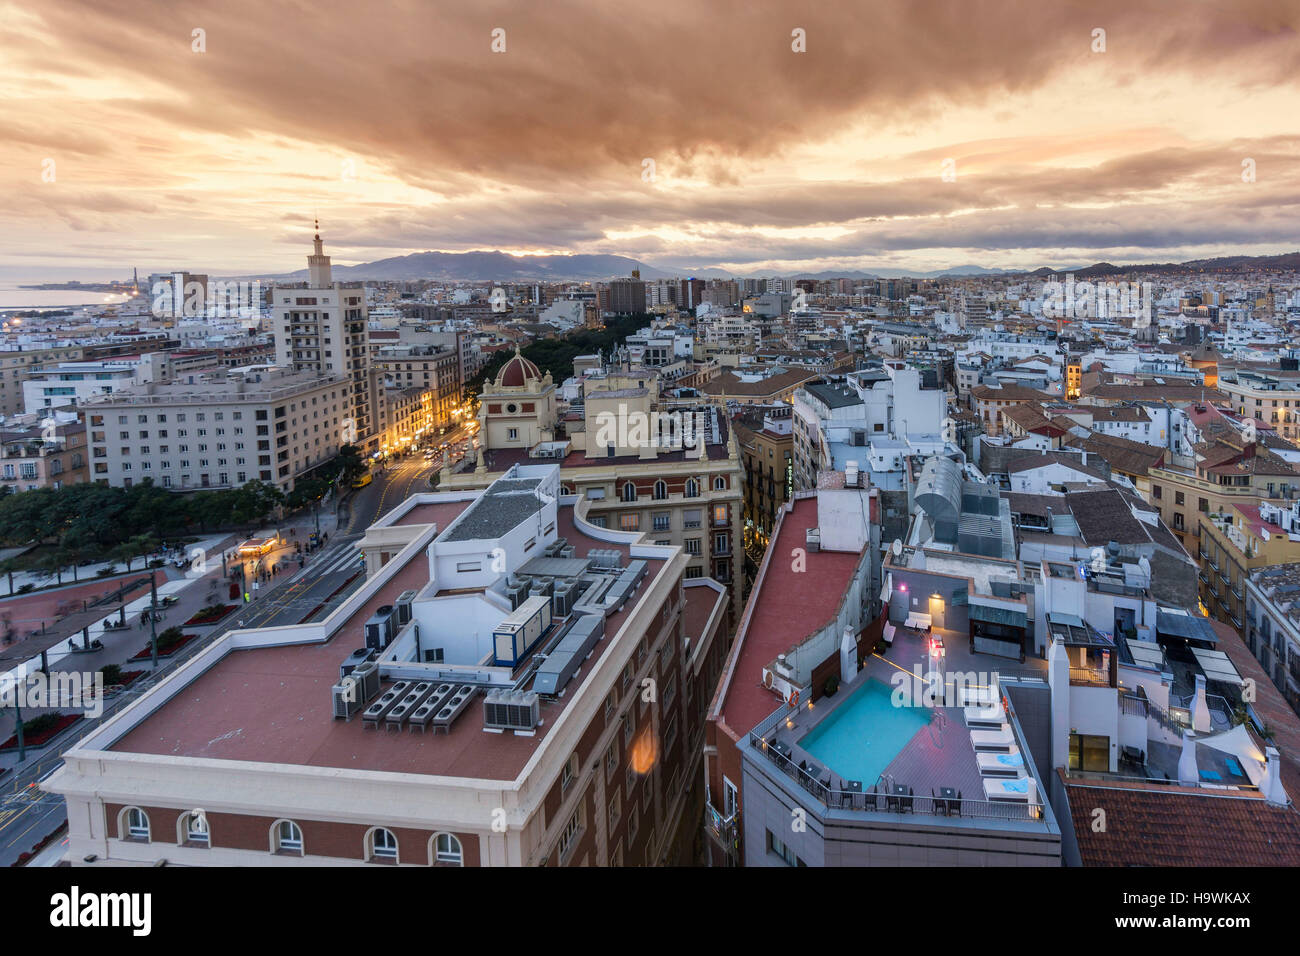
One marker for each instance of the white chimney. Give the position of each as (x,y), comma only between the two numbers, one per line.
(1270,785)
(1200,708)
(1188,773)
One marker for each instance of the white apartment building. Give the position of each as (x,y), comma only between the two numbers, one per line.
(323,328)
(218,430)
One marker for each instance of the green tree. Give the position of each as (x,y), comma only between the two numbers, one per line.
(351,464)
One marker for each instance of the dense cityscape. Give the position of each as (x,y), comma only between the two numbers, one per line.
(670,438)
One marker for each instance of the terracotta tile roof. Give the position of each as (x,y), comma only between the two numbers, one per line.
(1180,826)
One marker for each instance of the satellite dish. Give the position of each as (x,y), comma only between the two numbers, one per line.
(896,547)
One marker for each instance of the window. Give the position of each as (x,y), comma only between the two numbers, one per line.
(692,488)
(691,519)
(615,809)
(194,830)
(137,825)
(569,774)
(631,823)
(693,546)
(447,850)
(611,761)
(629,522)
(610,703)
(569,838)
(629,491)
(383,846)
(288,837)
(1178,498)
(774,845)
(629,727)
(661,490)
(719,484)
(662,520)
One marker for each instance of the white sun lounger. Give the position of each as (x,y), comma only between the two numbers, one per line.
(970,696)
(1001,765)
(993,741)
(1010,791)
(985,717)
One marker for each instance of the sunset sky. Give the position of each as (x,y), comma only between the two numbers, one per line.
(404,131)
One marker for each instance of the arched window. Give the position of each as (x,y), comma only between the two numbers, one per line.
(629,492)
(447,850)
(692,488)
(134,825)
(661,490)
(381,846)
(566,489)
(194,830)
(719,484)
(286,837)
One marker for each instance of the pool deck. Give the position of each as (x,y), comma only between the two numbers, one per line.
(939,754)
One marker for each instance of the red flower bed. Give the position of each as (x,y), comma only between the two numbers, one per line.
(24,857)
(39,739)
(147,653)
(128,676)
(201,619)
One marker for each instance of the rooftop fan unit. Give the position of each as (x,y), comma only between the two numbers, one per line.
(510,710)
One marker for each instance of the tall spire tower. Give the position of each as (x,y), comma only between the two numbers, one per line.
(318,264)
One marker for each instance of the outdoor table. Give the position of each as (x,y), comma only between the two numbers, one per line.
(947,794)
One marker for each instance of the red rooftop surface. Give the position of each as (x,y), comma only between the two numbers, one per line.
(788,607)
(272,705)
(441,513)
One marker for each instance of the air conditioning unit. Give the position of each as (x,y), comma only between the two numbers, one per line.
(510,710)
(366,676)
(347,700)
(402,609)
(379,629)
(813,539)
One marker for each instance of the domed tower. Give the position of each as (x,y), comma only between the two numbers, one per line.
(517,410)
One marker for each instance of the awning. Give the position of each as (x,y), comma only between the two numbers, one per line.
(1175,622)
(1217,666)
(998,615)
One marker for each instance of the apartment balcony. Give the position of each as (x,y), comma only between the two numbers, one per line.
(722,830)
(1089,676)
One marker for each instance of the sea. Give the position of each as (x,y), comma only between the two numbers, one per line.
(13,297)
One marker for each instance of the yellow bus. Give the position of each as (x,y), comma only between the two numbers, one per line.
(362,481)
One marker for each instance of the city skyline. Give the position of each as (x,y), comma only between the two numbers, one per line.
(1004,138)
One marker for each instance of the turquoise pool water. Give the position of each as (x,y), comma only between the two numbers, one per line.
(864,734)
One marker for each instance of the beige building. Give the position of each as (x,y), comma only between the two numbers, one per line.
(43,455)
(674,474)
(322,328)
(218,430)
(597,761)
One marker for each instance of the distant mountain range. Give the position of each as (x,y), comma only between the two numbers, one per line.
(496,266)
(493,266)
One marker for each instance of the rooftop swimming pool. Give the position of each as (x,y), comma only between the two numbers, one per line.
(864,733)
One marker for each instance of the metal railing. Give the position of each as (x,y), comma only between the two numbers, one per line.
(1091,676)
(872,801)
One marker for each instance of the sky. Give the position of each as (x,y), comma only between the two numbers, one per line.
(688,134)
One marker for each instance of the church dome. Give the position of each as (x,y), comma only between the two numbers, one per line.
(517,372)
